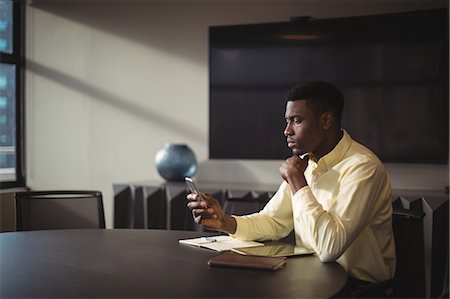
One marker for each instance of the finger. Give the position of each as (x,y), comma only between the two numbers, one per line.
(203,204)
(203,211)
(199,217)
(197,205)
(206,216)
(194,205)
(192,196)
(209,199)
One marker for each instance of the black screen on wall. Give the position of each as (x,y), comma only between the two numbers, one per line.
(392,70)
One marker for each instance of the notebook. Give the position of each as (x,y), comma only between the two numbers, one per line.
(220,243)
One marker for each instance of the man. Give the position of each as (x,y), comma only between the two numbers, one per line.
(337,201)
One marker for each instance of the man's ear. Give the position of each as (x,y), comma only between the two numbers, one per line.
(326,120)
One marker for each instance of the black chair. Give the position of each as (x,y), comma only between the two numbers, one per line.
(249,203)
(41,210)
(409,280)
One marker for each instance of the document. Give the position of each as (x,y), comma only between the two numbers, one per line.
(219,243)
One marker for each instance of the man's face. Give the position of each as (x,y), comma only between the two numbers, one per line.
(303,131)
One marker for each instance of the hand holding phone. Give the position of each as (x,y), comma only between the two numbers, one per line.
(193,188)
(211,215)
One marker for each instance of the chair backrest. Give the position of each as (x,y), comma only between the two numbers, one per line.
(409,242)
(248,203)
(41,210)
(409,281)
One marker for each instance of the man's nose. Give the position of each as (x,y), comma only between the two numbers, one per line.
(288,130)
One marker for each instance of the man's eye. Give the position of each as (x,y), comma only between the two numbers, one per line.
(293,120)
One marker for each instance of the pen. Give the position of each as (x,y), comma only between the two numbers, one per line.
(207,240)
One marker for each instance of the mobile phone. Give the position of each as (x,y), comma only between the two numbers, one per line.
(192,187)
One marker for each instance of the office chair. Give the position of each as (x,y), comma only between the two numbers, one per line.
(243,205)
(409,280)
(41,210)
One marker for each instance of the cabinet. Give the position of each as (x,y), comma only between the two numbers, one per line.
(153,204)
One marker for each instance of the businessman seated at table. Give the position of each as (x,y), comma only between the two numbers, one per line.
(337,199)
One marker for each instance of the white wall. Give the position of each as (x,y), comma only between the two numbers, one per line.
(108,83)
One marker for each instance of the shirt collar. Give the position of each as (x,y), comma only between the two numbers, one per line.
(336,154)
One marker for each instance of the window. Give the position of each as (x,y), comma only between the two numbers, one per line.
(12,173)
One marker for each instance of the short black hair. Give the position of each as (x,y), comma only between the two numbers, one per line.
(321,95)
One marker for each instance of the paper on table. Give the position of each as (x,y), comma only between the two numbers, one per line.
(219,243)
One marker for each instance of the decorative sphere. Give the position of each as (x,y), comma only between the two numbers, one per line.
(175,162)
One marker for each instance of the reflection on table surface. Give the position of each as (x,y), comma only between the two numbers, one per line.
(145,263)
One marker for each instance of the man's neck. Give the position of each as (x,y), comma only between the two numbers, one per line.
(329,144)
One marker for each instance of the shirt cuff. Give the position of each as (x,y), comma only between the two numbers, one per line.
(241,227)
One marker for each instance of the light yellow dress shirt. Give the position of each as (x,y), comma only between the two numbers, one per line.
(344,214)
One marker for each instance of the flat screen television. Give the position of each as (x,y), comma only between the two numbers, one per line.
(393,70)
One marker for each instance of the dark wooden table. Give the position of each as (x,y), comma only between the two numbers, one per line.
(145,263)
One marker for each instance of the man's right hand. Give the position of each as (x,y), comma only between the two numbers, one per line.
(209,214)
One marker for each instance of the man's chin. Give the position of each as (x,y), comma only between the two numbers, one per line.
(296,152)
